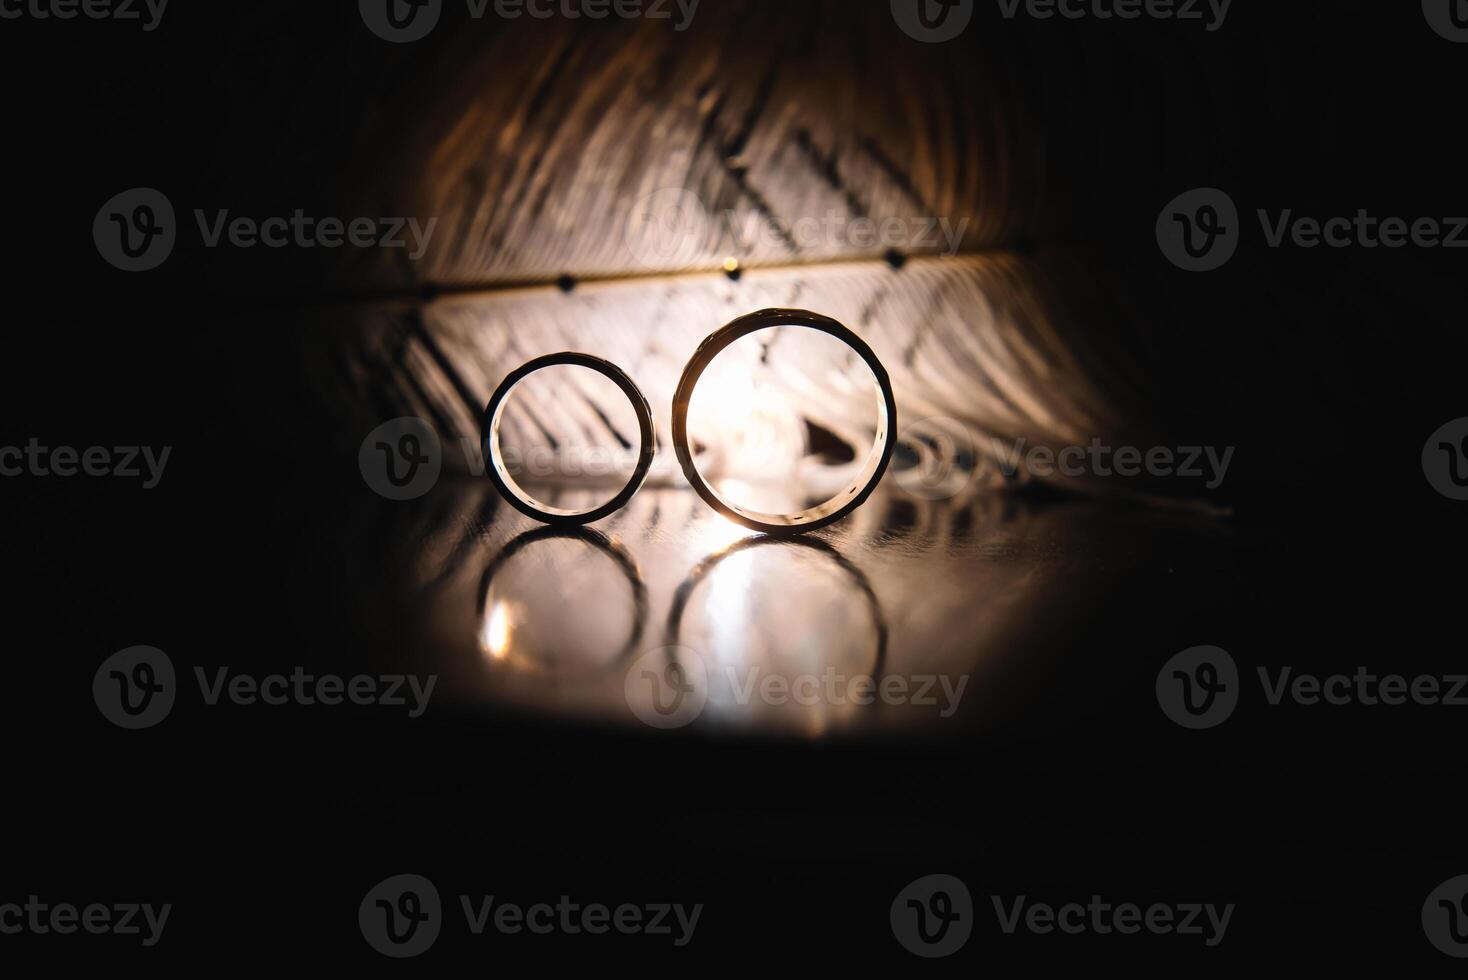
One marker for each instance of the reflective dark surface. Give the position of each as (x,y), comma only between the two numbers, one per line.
(513,614)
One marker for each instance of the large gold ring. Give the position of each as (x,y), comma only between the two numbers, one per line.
(822,514)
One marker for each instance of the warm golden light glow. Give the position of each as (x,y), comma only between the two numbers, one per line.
(717,533)
(498,631)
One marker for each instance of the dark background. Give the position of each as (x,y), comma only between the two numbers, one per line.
(1328,368)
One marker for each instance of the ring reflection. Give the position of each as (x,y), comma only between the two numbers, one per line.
(529,587)
(790,632)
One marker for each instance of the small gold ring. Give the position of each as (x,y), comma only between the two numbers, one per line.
(521,500)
